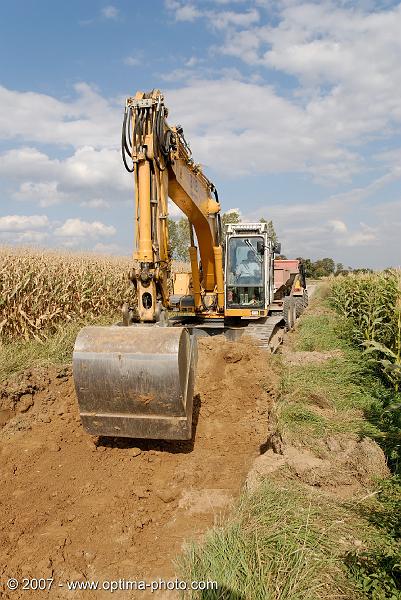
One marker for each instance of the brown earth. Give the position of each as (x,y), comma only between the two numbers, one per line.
(302,357)
(345,466)
(76,507)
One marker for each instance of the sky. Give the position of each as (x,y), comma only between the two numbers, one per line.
(292,108)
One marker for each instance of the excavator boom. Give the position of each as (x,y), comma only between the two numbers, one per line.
(136,379)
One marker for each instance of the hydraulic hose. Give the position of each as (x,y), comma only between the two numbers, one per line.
(125,140)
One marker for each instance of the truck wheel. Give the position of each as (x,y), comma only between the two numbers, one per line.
(305,299)
(289,312)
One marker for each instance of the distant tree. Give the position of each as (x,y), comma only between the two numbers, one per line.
(323,267)
(270,230)
(179,238)
(366,270)
(328,265)
(339,268)
(227,218)
(308,266)
(231,216)
(319,268)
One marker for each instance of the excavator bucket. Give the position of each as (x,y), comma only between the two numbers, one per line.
(135,381)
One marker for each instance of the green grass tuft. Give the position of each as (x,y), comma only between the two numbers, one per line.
(55,350)
(284,544)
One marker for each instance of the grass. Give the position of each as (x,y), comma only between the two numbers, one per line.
(319,332)
(283,543)
(287,541)
(377,570)
(16,356)
(332,394)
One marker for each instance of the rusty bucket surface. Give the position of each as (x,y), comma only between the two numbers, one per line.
(135,381)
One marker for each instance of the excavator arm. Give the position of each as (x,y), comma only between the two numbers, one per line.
(163,168)
(137,380)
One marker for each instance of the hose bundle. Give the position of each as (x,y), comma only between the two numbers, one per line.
(147,119)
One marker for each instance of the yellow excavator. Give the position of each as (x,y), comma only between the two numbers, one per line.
(136,378)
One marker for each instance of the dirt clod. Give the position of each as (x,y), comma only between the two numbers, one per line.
(25,403)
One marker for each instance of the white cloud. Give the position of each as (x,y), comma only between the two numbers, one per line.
(76,228)
(86,120)
(346,61)
(95,203)
(23,222)
(347,80)
(331,227)
(110,12)
(45,193)
(89,167)
(193,61)
(217,18)
(364,237)
(86,174)
(247,128)
(225,19)
(338,226)
(24,229)
(132,61)
(187,12)
(36,229)
(30,237)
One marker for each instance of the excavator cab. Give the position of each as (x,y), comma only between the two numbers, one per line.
(248,270)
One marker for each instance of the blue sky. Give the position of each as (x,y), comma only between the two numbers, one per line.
(292,108)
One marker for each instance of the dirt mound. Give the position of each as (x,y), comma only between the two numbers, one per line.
(345,465)
(30,398)
(300,357)
(76,507)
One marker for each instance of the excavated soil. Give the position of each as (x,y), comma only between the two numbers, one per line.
(77,507)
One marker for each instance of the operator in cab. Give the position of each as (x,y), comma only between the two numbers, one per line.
(249,267)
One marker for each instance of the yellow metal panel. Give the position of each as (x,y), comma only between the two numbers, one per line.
(181,283)
(244,312)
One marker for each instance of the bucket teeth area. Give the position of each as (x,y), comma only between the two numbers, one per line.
(135,381)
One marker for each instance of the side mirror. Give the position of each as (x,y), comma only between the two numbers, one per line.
(277,248)
(260,247)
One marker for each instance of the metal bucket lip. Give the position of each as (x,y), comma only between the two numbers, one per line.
(90,335)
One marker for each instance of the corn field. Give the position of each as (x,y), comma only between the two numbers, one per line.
(42,290)
(372,302)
